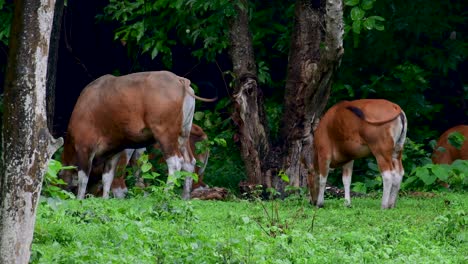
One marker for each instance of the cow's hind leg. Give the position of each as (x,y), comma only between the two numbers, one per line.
(172,155)
(386,168)
(399,135)
(396,181)
(85,159)
(324,166)
(108,175)
(347,175)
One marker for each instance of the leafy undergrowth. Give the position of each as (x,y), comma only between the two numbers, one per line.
(162,230)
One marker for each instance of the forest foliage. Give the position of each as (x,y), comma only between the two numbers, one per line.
(409,52)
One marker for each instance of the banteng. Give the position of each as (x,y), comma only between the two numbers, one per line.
(131,111)
(130,156)
(355,129)
(446,153)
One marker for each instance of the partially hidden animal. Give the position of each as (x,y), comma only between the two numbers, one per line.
(351,130)
(130,156)
(445,152)
(130,111)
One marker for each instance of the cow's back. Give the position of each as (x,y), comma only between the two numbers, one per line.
(347,128)
(120,109)
(445,153)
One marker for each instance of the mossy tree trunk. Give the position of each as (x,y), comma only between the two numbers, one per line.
(315,54)
(26,142)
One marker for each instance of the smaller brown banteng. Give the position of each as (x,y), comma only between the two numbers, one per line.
(446,153)
(119,188)
(355,129)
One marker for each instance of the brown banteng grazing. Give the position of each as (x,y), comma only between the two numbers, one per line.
(446,153)
(355,129)
(196,135)
(131,111)
(119,188)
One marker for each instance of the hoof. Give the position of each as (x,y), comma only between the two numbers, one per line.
(186,196)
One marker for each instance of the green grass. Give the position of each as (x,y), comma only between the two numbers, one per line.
(165,230)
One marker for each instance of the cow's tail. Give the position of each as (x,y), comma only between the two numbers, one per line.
(359,113)
(186,83)
(401,139)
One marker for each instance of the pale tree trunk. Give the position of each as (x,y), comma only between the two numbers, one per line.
(315,54)
(26,141)
(248,113)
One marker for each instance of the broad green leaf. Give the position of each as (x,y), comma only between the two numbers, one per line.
(425,176)
(369,23)
(143,158)
(357,13)
(378,18)
(456,139)
(154,53)
(373,166)
(221,142)
(359,187)
(351,2)
(378,26)
(357,26)
(198,115)
(146,167)
(284,177)
(367,4)
(440,172)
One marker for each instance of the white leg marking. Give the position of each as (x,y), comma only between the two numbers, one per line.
(347,174)
(82,182)
(108,176)
(321,196)
(129,154)
(397,178)
(119,192)
(174,164)
(387,178)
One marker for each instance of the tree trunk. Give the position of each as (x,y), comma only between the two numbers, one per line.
(315,54)
(52,62)
(26,141)
(248,115)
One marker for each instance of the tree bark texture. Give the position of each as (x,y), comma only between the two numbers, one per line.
(315,54)
(249,114)
(26,141)
(52,62)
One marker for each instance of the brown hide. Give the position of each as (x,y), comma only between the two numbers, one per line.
(131,111)
(375,111)
(355,129)
(445,153)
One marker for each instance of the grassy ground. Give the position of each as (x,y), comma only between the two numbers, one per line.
(162,230)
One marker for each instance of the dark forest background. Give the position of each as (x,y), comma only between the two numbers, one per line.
(411,52)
